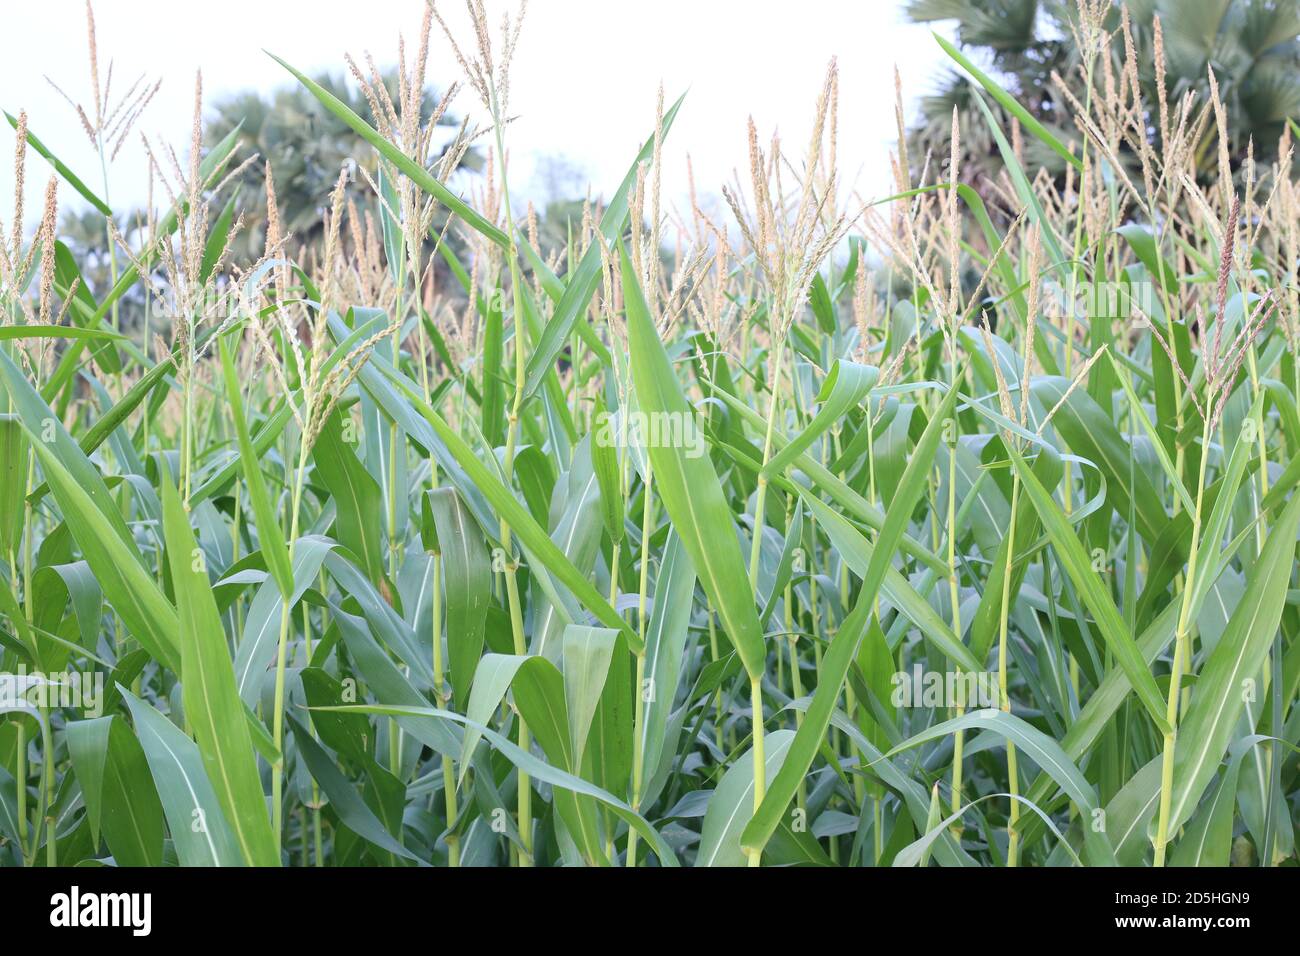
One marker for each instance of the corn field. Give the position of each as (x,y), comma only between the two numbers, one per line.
(949,528)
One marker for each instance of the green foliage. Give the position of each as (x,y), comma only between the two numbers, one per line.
(1253,48)
(369,577)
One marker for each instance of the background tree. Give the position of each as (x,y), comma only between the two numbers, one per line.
(1253,46)
(307,145)
(560,203)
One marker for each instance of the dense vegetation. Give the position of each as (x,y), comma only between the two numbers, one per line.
(955,528)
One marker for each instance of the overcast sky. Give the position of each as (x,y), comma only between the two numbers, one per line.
(584,83)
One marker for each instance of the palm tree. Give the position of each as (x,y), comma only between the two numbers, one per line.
(307,146)
(1253,46)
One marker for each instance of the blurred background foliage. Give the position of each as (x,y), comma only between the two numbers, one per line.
(1253,47)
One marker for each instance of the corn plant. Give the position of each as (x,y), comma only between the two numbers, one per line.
(955,527)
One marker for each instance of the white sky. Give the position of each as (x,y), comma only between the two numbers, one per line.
(583,87)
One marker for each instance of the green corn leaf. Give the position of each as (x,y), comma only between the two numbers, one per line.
(1093,591)
(1008,102)
(467,577)
(732,804)
(212,704)
(68,176)
(539,770)
(1218,697)
(418,174)
(356,494)
(689,486)
(194,816)
(118,789)
(846,386)
(268,522)
(844,646)
(580,286)
(521,522)
(127,586)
